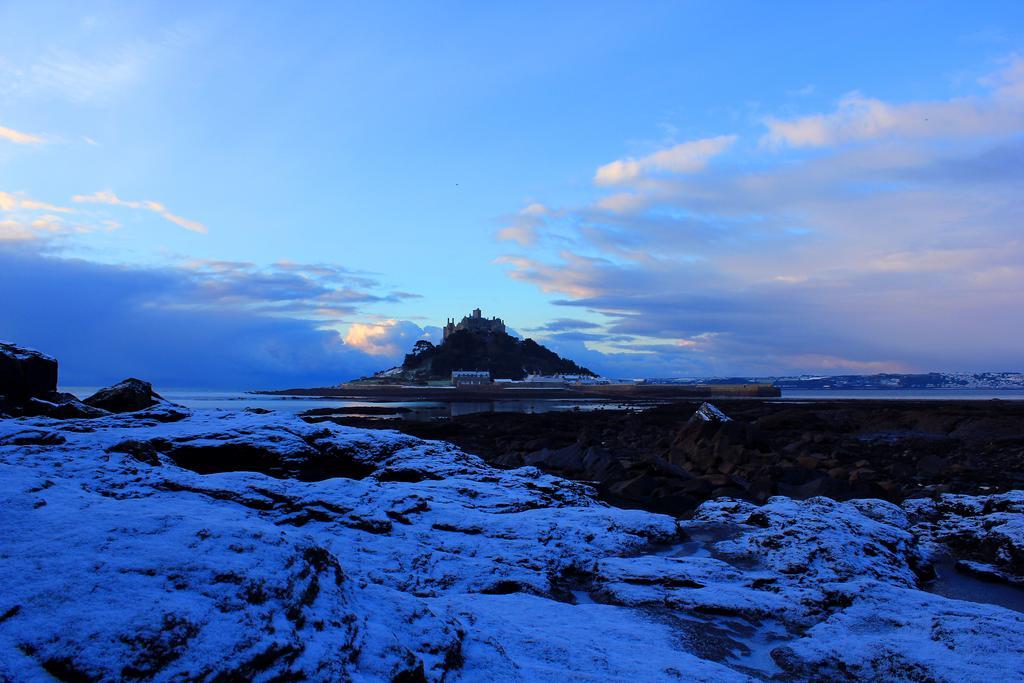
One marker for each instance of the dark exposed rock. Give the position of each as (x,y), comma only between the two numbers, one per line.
(933,464)
(25,373)
(61,406)
(636,488)
(125,397)
(409,476)
(32,437)
(817,485)
(143,451)
(28,387)
(285,457)
(988,572)
(840,449)
(591,464)
(228,457)
(509,460)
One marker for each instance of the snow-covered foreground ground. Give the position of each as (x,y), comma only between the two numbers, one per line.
(425,563)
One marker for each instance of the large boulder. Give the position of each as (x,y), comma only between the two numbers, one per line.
(576,462)
(25,373)
(125,397)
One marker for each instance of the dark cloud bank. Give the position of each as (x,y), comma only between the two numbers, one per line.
(167,325)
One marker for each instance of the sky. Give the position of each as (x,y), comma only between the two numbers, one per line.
(240,195)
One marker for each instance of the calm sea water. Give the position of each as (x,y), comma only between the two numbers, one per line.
(904,394)
(235,400)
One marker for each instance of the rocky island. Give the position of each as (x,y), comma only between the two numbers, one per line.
(478,354)
(482,345)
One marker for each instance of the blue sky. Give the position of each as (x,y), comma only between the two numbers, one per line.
(232,194)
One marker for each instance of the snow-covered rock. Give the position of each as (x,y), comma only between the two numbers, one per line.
(987,532)
(819,539)
(170,544)
(887,633)
(708,412)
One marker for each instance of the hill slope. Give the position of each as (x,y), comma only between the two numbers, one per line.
(504,356)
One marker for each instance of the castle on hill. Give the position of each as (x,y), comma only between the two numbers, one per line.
(474,323)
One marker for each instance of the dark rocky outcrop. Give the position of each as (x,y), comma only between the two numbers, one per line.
(280,454)
(578,462)
(28,388)
(61,406)
(25,373)
(126,396)
(672,457)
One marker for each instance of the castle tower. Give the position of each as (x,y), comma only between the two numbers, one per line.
(474,322)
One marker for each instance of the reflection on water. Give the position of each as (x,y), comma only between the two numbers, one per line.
(537,406)
(427,410)
(415,410)
(701,539)
(954,584)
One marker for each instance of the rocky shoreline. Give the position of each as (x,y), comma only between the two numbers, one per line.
(143,546)
(671,458)
(162,543)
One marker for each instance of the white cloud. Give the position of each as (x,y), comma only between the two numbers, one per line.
(23,218)
(903,251)
(686,157)
(621,202)
(576,276)
(14,201)
(524,226)
(15,231)
(390,338)
(19,138)
(108,197)
(861,118)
